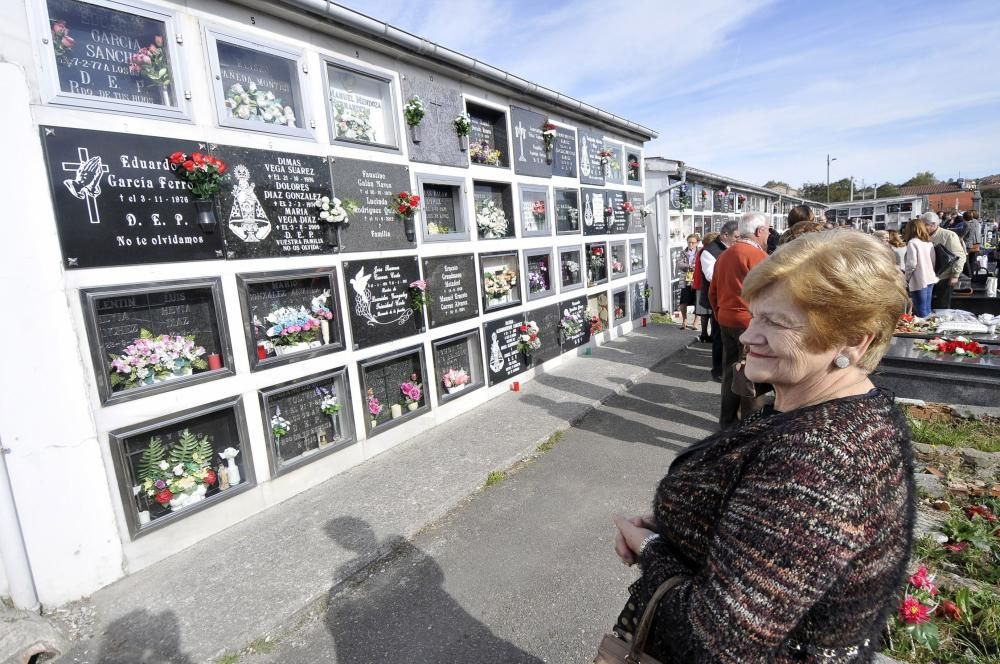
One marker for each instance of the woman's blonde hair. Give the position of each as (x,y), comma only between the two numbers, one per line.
(916,228)
(895,240)
(846,282)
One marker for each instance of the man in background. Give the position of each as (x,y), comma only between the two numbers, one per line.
(941,296)
(973,240)
(727,235)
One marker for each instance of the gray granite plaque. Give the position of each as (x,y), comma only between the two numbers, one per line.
(373,185)
(530,156)
(564,153)
(439,143)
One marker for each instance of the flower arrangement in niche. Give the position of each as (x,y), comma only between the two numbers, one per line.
(62,43)
(596,324)
(627,207)
(538,277)
(619,313)
(633,168)
(538,210)
(455,379)
(279,425)
(616,266)
(374,405)
(414,111)
(572,268)
(609,211)
(463,124)
(151,358)
(636,259)
(741,199)
(354,124)
(288,326)
(258,104)
(491,219)
(549,135)
(203,172)
(596,257)
(683,198)
(497,285)
(605,156)
(412,392)
(419,297)
(180,477)
(528,340)
(328,404)
(334,210)
(405,205)
(571,324)
(483,153)
(647,292)
(150,62)
(704,195)
(960,346)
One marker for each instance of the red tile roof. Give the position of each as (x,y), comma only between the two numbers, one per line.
(924,189)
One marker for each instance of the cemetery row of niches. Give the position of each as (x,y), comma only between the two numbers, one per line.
(184,462)
(119,201)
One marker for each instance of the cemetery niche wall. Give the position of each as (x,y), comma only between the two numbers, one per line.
(452,281)
(379,297)
(394,388)
(458,363)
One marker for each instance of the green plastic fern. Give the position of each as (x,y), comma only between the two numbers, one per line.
(202,455)
(150,460)
(182,451)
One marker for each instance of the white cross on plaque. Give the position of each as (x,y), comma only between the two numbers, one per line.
(86,181)
(520,133)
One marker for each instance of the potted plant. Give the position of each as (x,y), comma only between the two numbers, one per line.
(463,127)
(204,174)
(455,380)
(414,112)
(405,206)
(333,212)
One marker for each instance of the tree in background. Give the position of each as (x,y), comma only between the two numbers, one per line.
(921,179)
(770,184)
(816,191)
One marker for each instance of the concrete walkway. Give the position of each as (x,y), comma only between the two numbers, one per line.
(268,578)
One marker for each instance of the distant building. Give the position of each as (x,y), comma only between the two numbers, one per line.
(945,196)
(785,190)
(888,213)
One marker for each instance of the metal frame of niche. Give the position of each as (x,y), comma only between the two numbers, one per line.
(623,245)
(642,246)
(607,262)
(555,209)
(563,287)
(523,189)
(365,364)
(477,375)
(624,290)
(340,377)
(117,438)
(337,328)
(505,112)
(482,280)
(390,79)
(89,298)
(52,92)
(297,57)
(462,215)
(552,290)
(638,154)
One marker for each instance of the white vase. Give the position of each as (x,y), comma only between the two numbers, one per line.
(293,348)
(143,517)
(324,329)
(374,423)
(188,498)
(455,388)
(412,406)
(234,472)
(396,410)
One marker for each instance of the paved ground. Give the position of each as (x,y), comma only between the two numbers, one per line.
(527,563)
(524,571)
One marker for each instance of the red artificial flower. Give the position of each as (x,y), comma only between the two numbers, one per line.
(919,579)
(912,612)
(197,157)
(222,166)
(414,200)
(404,194)
(163,497)
(403,208)
(523,328)
(957,547)
(177,158)
(951,610)
(980,510)
(210,477)
(188,165)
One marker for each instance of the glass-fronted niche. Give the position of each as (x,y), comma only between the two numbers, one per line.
(258,86)
(155,337)
(307,418)
(458,365)
(394,387)
(176,465)
(362,107)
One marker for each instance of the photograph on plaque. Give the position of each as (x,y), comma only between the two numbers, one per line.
(501,280)
(458,365)
(640,299)
(597,216)
(633,166)
(362,109)
(258,86)
(442,209)
(574,324)
(536,211)
(597,263)
(591,144)
(611,163)
(619,301)
(487,136)
(636,256)
(548,320)
(503,359)
(564,153)
(268,203)
(621,208)
(619,261)
(373,187)
(494,209)
(117,202)
(570,272)
(531,155)
(306,419)
(394,388)
(290,315)
(452,283)
(567,209)
(380,300)
(152,338)
(637,217)
(538,273)
(119,57)
(182,463)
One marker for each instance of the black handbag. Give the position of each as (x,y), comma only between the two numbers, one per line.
(944,260)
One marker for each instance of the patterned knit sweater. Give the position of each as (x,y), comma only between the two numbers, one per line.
(795,530)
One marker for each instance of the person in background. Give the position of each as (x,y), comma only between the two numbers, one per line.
(898,248)
(973,240)
(702,307)
(955,223)
(731,311)
(686,267)
(941,295)
(800,228)
(788,537)
(728,234)
(918,267)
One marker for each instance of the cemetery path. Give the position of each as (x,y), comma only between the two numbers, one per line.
(523,571)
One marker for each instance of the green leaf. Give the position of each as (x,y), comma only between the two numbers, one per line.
(926,634)
(150,460)
(181,451)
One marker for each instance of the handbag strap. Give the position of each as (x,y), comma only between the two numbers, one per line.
(647,618)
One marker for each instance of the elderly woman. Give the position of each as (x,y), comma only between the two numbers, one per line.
(785,539)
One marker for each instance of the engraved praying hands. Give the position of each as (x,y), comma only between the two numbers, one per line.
(87,180)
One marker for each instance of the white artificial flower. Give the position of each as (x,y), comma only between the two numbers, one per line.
(252,87)
(163,465)
(324,215)
(178,470)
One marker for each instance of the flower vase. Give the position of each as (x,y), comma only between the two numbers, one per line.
(374,423)
(324,330)
(455,388)
(206,215)
(184,370)
(165,96)
(463,143)
(331,234)
(396,410)
(415,133)
(335,422)
(412,406)
(143,517)
(233,472)
(548,156)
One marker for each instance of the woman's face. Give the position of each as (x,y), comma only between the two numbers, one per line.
(692,243)
(777,352)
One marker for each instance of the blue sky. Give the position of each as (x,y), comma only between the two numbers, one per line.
(756,89)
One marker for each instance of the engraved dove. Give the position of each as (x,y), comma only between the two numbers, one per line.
(87,180)
(363,296)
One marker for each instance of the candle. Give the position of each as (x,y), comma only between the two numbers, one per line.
(261,351)
(516,386)
(644,322)
(214,361)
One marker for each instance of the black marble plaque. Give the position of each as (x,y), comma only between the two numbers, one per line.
(501,195)
(620,219)
(440,207)
(384,377)
(676,260)
(636,223)
(374,186)
(547,318)
(118,203)
(267,202)
(503,359)
(564,153)
(439,143)
(614,170)
(378,300)
(677,287)
(93,47)
(490,126)
(595,221)
(451,281)
(567,202)
(590,145)
(633,167)
(640,305)
(530,156)
(310,430)
(242,69)
(576,306)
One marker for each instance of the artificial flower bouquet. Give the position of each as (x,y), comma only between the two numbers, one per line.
(463,124)
(180,477)
(203,172)
(528,341)
(374,405)
(498,284)
(537,278)
(414,111)
(62,43)
(596,324)
(619,313)
(412,391)
(571,324)
(419,297)
(353,124)
(279,425)
(150,62)
(483,153)
(328,404)
(617,267)
(334,210)
(549,135)
(290,326)
(254,103)
(538,210)
(405,204)
(960,346)
(491,219)
(152,358)
(645,211)
(596,258)
(454,379)
(627,207)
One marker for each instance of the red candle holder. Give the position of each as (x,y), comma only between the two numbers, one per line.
(261,352)
(214,361)
(644,322)
(516,386)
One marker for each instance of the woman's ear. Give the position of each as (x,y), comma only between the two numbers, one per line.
(856,348)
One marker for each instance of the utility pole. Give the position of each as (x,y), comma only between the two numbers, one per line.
(852,188)
(828,160)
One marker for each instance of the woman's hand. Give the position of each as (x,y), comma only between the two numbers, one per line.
(631,532)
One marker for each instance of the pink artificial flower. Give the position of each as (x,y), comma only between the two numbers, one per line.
(913,612)
(68,41)
(158,40)
(958,547)
(419,284)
